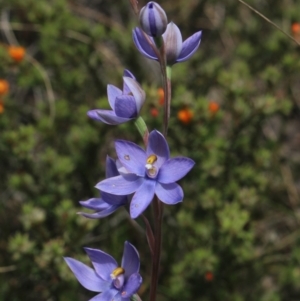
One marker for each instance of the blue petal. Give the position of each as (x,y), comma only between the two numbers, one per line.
(174,169)
(111,168)
(94,204)
(125,106)
(113,199)
(169,194)
(130,260)
(142,44)
(158,146)
(103,213)
(121,169)
(108,295)
(106,116)
(132,157)
(103,263)
(127,73)
(137,92)
(132,285)
(189,47)
(86,276)
(121,185)
(142,198)
(112,93)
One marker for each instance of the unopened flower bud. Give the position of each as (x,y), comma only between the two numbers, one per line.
(153,19)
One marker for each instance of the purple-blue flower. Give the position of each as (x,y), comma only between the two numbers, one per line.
(125,104)
(146,173)
(114,282)
(176,50)
(107,203)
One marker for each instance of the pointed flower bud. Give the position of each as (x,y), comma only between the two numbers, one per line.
(153,19)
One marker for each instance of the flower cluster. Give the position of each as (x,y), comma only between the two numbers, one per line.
(138,175)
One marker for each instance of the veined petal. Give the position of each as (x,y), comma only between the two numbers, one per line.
(142,44)
(103,263)
(189,47)
(94,204)
(169,194)
(125,106)
(86,276)
(153,19)
(108,295)
(130,260)
(142,198)
(112,93)
(174,169)
(132,285)
(127,73)
(137,92)
(106,116)
(111,168)
(158,146)
(132,157)
(173,42)
(121,185)
(105,212)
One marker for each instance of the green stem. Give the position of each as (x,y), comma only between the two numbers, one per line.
(142,128)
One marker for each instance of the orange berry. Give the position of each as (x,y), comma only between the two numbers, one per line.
(161,96)
(213,107)
(209,276)
(1,107)
(185,116)
(17,53)
(4,86)
(295,28)
(154,112)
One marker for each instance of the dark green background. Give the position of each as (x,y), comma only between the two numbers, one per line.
(241,212)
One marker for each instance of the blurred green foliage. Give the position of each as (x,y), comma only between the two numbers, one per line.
(239,222)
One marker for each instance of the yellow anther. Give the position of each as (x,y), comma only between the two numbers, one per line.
(151,159)
(117,272)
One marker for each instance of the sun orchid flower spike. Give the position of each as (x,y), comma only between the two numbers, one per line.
(107,203)
(146,173)
(153,19)
(125,104)
(176,50)
(114,282)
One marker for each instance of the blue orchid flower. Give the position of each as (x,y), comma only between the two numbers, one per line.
(176,50)
(113,282)
(125,104)
(146,173)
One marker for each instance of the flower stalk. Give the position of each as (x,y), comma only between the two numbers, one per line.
(138,176)
(158,216)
